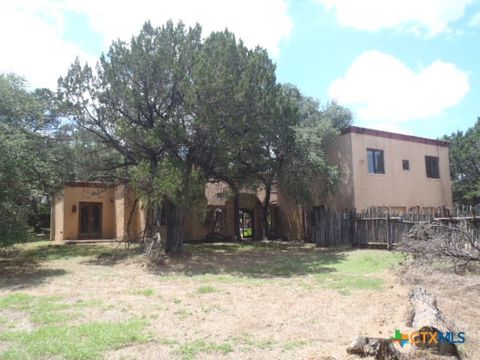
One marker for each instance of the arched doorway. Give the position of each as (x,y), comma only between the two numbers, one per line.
(247,223)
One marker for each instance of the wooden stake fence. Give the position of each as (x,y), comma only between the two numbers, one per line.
(382,227)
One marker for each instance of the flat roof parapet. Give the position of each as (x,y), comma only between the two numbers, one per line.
(90,184)
(396,136)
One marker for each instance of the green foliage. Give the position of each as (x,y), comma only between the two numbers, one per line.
(307,162)
(168,180)
(136,103)
(233,97)
(32,157)
(465,164)
(180,110)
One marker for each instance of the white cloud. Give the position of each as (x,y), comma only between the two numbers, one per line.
(475,20)
(429,17)
(31,31)
(383,91)
(264,22)
(32,44)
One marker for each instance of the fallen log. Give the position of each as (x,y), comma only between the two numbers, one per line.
(427,317)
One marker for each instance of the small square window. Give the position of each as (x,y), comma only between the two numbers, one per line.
(406,165)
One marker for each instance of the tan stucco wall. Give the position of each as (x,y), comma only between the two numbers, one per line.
(120,213)
(67,221)
(399,188)
(58,216)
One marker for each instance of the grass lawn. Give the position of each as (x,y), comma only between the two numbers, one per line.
(265,300)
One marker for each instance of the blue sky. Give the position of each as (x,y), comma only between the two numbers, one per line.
(406,66)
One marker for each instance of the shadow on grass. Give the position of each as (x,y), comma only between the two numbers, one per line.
(109,258)
(21,265)
(252,260)
(64,251)
(18,274)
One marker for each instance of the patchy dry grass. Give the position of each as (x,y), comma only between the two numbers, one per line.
(190,350)
(266,300)
(85,341)
(206,289)
(144,292)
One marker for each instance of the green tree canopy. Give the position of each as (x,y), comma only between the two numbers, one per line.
(32,156)
(136,103)
(465,164)
(180,110)
(234,97)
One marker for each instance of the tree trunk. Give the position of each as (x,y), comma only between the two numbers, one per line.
(266,206)
(236,215)
(175,233)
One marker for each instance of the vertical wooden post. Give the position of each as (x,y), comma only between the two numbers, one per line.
(389,237)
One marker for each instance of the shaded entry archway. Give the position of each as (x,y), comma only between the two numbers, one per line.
(247,223)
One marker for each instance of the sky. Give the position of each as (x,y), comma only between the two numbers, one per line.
(406,66)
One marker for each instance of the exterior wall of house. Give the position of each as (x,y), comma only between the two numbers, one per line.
(120,213)
(58,209)
(67,210)
(397,188)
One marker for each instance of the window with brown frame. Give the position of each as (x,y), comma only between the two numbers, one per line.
(375,161)
(432,167)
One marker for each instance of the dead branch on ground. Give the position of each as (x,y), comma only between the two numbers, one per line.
(440,241)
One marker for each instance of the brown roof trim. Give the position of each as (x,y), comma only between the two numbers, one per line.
(89,184)
(396,136)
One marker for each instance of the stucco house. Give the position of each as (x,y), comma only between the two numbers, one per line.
(385,169)
(379,168)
